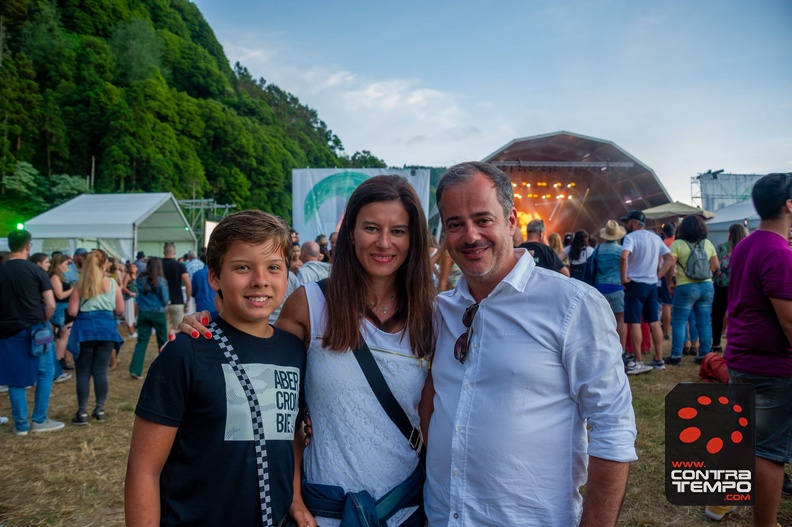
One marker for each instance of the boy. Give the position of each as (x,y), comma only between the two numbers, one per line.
(195,457)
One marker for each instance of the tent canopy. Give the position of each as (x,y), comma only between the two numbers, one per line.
(121,224)
(675,208)
(742,212)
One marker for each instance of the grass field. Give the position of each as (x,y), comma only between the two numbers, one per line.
(76,477)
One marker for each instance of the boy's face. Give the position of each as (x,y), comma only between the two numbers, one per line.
(253,280)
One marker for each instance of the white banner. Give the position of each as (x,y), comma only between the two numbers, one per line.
(320,195)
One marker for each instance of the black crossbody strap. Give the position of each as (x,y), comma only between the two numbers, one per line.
(383,393)
(259,441)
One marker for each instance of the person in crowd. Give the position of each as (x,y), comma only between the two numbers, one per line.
(554,240)
(4,256)
(606,277)
(379,292)
(140,262)
(691,293)
(152,300)
(737,233)
(94,302)
(449,270)
(525,360)
(61,326)
(333,240)
(73,273)
(663,295)
(203,293)
(578,252)
(312,269)
(543,255)
(296,263)
(323,243)
(593,242)
(295,237)
(176,275)
(26,304)
(568,238)
(641,253)
(129,292)
(42,260)
(116,271)
(247,363)
(192,264)
(759,347)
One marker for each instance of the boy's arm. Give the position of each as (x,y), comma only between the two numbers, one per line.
(151,444)
(298,511)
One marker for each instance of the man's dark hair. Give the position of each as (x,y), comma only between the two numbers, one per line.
(18,240)
(669,230)
(770,193)
(466,171)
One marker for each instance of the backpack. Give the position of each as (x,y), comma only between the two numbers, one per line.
(698,265)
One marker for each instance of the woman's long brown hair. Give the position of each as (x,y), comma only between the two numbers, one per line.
(347,286)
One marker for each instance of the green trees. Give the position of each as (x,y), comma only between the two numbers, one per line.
(139,96)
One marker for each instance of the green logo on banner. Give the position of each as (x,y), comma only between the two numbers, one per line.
(338,185)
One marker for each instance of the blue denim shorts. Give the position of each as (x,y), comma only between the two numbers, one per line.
(663,294)
(773,415)
(616,301)
(640,299)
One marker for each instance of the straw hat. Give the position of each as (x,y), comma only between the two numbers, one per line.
(612,231)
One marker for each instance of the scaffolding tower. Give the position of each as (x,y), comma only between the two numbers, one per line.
(198,211)
(713,190)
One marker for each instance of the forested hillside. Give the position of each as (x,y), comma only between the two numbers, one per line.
(139,93)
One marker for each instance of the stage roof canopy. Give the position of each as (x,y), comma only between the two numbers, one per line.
(576,182)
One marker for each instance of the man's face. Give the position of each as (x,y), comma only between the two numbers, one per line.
(78,260)
(628,225)
(478,237)
(333,238)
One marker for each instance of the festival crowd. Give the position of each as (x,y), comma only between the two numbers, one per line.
(377,376)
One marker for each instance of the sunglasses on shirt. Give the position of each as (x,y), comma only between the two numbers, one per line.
(463,342)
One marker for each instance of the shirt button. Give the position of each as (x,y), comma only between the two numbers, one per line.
(475,346)
(467,386)
(456,516)
(456,472)
(458,428)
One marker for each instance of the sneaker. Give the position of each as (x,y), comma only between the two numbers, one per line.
(717,512)
(135,376)
(63,377)
(99,415)
(657,364)
(698,359)
(634,368)
(3,388)
(80,419)
(787,488)
(49,425)
(3,420)
(18,432)
(673,361)
(133,335)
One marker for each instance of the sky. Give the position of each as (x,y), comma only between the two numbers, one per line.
(684,87)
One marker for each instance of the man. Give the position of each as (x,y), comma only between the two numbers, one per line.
(140,262)
(641,252)
(322,241)
(333,238)
(525,360)
(193,265)
(72,274)
(176,275)
(544,256)
(312,270)
(664,295)
(759,348)
(26,304)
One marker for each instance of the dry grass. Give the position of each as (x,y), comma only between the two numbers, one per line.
(75,477)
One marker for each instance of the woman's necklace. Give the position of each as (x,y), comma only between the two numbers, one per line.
(382,305)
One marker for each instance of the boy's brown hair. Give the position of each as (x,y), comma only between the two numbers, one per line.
(249,226)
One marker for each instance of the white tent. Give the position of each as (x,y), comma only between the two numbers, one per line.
(742,212)
(121,224)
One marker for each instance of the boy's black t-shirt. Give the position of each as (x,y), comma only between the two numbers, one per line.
(210,475)
(543,255)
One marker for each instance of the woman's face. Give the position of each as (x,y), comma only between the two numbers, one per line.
(44,264)
(382,237)
(64,266)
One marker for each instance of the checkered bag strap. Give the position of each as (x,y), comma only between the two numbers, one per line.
(258,423)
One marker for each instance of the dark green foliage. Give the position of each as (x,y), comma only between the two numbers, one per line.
(137,95)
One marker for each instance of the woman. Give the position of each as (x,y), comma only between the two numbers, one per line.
(152,299)
(578,252)
(607,279)
(737,233)
(690,294)
(380,289)
(555,241)
(129,290)
(62,290)
(93,302)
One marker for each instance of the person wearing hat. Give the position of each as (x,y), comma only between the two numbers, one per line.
(140,262)
(72,274)
(603,273)
(638,268)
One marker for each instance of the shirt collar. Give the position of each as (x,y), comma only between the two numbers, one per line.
(517,279)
